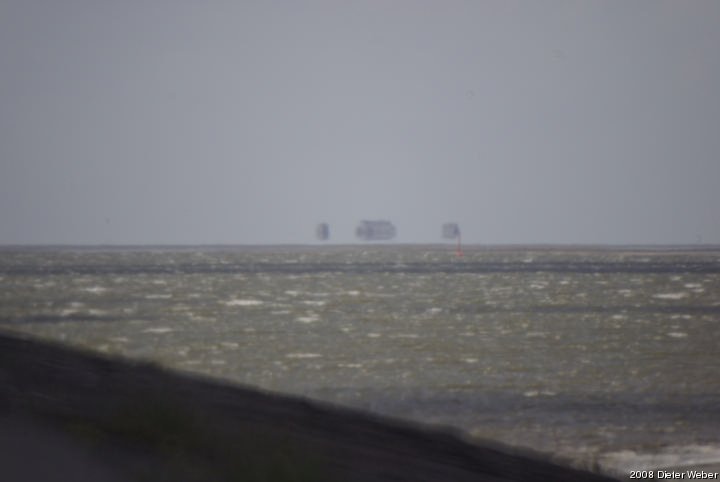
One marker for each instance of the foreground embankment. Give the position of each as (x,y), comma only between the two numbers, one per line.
(72,415)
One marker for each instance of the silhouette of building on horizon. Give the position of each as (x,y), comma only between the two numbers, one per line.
(322,231)
(450,230)
(378,230)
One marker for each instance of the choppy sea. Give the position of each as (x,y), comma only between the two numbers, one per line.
(606,357)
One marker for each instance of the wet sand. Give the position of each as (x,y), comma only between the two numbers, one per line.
(72,415)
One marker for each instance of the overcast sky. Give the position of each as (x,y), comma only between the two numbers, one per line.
(249,122)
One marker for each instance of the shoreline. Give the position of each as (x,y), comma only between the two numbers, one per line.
(133,420)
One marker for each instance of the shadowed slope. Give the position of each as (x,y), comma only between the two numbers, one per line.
(124,420)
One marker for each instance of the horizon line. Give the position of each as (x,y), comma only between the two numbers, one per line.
(515,245)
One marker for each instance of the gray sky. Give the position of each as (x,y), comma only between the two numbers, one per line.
(250,122)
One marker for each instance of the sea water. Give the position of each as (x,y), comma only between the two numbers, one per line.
(607,358)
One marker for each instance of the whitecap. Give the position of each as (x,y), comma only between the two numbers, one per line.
(158,330)
(535,393)
(622,462)
(315,302)
(229,344)
(471,360)
(303,355)
(350,365)
(677,334)
(671,296)
(352,293)
(374,335)
(95,289)
(308,319)
(158,297)
(245,302)
(680,317)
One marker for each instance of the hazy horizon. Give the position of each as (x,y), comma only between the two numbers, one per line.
(248,123)
(449,245)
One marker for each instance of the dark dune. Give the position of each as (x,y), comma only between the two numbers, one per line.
(72,415)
